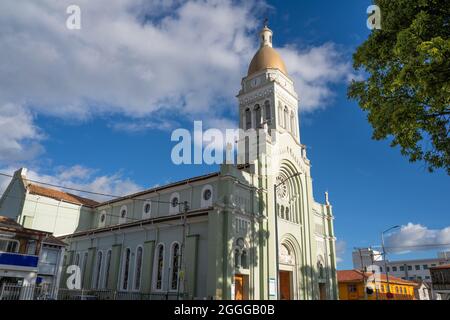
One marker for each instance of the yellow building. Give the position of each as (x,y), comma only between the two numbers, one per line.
(353,284)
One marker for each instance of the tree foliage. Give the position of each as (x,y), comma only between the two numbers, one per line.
(407,89)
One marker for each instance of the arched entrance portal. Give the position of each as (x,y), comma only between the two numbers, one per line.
(287,272)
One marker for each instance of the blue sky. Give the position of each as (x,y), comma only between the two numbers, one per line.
(104,135)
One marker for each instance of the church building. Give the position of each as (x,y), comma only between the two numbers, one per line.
(249,231)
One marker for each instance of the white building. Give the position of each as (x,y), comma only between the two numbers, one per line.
(416,269)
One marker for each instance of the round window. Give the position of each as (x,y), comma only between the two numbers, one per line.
(147,208)
(174,202)
(123,213)
(207,194)
(102,218)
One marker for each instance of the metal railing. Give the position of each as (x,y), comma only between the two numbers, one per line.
(33,292)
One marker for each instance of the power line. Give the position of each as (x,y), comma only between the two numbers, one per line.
(80,190)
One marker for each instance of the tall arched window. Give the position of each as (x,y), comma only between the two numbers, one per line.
(83,269)
(175,265)
(248,119)
(159,267)
(138,269)
(286,118)
(280,114)
(247,150)
(126,269)
(98,270)
(267,110)
(107,267)
(293,129)
(258,119)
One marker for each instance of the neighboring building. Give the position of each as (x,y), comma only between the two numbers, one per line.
(352,286)
(440,277)
(364,257)
(414,270)
(42,208)
(28,257)
(423,291)
(239,237)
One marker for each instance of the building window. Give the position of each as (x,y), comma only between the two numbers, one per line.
(123,214)
(77,260)
(175,266)
(248,119)
(126,269)
(394,269)
(174,206)
(206,199)
(409,268)
(388,269)
(280,114)
(83,269)
(381,269)
(107,267)
(138,269)
(352,288)
(258,116)
(102,218)
(146,209)
(237,257)
(286,118)
(98,270)
(244,262)
(417,267)
(159,267)
(267,109)
(9,245)
(402,268)
(425,267)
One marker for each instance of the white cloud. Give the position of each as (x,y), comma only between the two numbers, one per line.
(81,178)
(138,57)
(19,137)
(415,237)
(314,69)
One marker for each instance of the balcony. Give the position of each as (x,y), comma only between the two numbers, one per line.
(18,260)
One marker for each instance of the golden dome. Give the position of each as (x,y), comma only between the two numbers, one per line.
(266,58)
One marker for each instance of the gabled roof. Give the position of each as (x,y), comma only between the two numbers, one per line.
(357,276)
(60,195)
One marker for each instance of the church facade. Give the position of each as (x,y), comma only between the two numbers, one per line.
(251,231)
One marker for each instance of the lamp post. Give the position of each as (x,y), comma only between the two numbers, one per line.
(384,257)
(275,186)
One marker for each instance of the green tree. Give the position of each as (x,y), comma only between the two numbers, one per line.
(407,89)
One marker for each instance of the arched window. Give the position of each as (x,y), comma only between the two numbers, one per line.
(138,269)
(286,118)
(248,119)
(98,270)
(107,267)
(247,150)
(244,262)
(286,213)
(320,268)
(237,258)
(102,219)
(258,119)
(293,129)
(175,265)
(159,267)
(174,205)
(146,209)
(280,115)
(126,269)
(268,112)
(123,214)
(83,269)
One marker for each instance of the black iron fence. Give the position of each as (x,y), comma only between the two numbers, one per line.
(33,292)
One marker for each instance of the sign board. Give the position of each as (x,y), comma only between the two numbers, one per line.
(272,287)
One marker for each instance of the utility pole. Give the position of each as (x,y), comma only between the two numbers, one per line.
(183,246)
(384,258)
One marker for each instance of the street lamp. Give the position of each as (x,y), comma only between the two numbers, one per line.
(384,256)
(275,186)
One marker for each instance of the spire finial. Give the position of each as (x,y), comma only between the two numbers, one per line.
(266,22)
